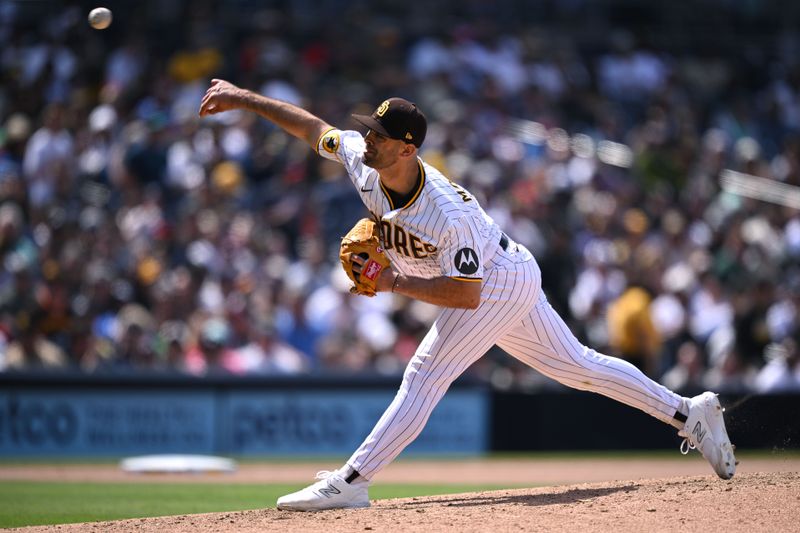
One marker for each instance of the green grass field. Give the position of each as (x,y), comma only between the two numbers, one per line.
(26,503)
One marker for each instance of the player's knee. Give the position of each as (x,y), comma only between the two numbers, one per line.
(421,374)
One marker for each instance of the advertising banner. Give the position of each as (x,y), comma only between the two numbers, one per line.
(338,421)
(93,422)
(105,422)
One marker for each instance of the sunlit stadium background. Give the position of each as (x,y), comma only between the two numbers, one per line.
(171,285)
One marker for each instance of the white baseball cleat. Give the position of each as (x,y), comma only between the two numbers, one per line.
(705,430)
(330,492)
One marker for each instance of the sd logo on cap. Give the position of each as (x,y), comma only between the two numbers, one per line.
(399,119)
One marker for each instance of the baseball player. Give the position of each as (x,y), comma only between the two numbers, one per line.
(445,250)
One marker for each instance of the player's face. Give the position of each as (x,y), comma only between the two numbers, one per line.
(382,152)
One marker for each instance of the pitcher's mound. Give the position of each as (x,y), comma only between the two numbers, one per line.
(750,502)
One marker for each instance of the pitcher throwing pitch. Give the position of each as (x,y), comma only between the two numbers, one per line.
(445,250)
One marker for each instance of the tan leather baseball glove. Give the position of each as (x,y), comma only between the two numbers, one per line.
(364,241)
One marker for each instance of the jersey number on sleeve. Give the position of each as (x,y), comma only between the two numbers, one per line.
(461,191)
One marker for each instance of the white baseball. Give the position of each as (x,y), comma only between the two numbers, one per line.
(100,18)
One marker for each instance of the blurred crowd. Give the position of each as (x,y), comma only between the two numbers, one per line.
(136,237)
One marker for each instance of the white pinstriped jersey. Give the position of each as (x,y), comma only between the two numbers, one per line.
(441,231)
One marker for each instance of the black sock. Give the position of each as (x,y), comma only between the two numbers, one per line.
(680,417)
(352,477)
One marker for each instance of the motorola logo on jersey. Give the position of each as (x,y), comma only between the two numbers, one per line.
(466,261)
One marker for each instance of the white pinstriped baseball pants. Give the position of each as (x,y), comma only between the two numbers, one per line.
(514,314)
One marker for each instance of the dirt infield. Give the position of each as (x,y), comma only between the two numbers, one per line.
(751,502)
(583,494)
(503,472)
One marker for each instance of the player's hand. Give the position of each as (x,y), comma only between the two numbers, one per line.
(220,96)
(358,263)
(386,278)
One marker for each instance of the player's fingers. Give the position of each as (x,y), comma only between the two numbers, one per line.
(205,100)
(207,105)
(210,93)
(210,110)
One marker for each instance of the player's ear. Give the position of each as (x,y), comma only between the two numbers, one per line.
(409,150)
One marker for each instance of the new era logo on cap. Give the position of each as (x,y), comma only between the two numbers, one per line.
(399,119)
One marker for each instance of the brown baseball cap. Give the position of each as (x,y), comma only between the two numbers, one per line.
(399,119)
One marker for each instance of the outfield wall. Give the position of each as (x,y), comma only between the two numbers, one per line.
(81,416)
(574,420)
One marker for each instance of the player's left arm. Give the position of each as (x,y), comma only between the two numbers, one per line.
(443,291)
(459,287)
(461,263)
